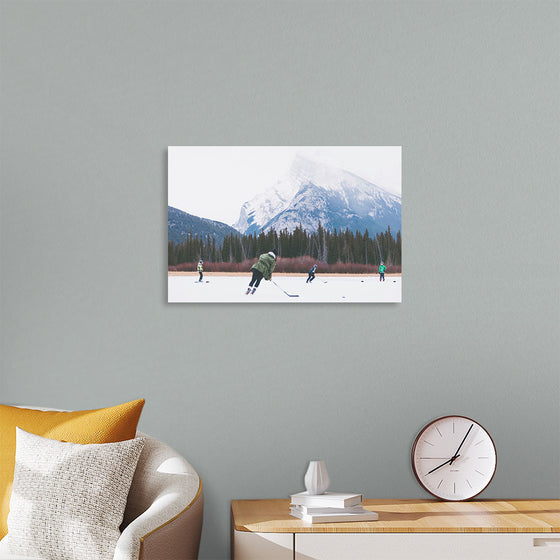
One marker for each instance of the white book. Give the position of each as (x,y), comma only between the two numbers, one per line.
(328,499)
(365,515)
(312,510)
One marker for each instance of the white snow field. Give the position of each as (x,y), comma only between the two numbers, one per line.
(324,289)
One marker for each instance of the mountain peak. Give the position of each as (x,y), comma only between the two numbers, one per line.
(314,191)
(307,170)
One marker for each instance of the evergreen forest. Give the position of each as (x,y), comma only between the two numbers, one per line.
(336,247)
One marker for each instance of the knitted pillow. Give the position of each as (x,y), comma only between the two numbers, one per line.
(68,499)
(103,425)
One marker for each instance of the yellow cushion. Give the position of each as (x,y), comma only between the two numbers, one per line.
(104,425)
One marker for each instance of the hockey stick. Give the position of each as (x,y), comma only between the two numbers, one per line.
(289,295)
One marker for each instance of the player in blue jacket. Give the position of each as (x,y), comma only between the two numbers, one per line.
(311,273)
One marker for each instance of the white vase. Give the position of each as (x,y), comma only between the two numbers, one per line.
(316,478)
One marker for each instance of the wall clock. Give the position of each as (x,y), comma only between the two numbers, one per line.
(454,458)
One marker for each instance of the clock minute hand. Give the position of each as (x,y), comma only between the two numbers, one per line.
(461,445)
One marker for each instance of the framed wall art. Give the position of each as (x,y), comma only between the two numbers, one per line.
(293,224)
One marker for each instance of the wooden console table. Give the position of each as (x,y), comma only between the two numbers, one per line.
(406,530)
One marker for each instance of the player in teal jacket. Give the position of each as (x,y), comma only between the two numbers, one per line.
(261,269)
(382,269)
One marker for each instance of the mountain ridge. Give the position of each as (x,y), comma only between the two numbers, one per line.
(180,224)
(314,192)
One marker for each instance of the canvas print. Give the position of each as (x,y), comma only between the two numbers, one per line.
(288,224)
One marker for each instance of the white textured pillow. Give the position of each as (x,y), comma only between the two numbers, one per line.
(68,499)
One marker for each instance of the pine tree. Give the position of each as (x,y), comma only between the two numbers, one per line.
(321,245)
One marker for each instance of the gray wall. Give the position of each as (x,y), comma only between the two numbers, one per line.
(94,92)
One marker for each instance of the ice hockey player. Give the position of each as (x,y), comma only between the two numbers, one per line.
(200,270)
(261,269)
(311,273)
(382,269)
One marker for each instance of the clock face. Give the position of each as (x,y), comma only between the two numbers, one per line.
(454,458)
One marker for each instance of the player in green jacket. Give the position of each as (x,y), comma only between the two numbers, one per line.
(261,269)
(382,269)
(200,270)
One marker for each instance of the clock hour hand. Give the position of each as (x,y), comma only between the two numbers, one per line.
(443,464)
(461,445)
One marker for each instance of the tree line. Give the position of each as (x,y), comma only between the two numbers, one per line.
(321,245)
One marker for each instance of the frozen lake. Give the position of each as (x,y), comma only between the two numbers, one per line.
(324,289)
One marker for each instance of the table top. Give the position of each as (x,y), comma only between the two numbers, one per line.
(409,516)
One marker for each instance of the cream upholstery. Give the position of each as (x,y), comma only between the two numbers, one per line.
(163,516)
(164,509)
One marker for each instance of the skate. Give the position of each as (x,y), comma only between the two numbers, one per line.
(254,290)
(248,291)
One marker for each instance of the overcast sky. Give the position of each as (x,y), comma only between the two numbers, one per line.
(214,181)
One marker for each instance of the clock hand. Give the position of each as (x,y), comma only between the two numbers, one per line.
(461,445)
(439,467)
(456,455)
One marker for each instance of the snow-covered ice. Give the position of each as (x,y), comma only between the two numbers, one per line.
(324,289)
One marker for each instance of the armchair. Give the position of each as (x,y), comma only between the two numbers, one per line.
(163,516)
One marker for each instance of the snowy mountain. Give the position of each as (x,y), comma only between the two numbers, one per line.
(258,211)
(314,192)
(180,224)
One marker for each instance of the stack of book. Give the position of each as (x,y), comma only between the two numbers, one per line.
(330,507)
